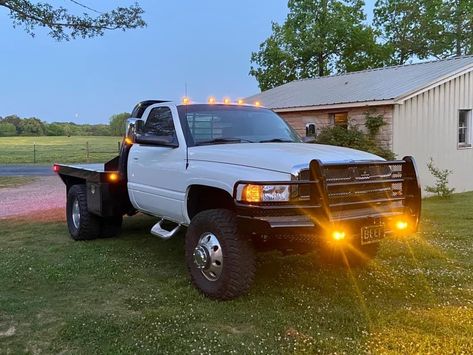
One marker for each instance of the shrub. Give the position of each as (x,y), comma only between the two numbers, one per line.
(352,138)
(373,123)
(441,187)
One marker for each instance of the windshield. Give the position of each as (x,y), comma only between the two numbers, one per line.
(219,124)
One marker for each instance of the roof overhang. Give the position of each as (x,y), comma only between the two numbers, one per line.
(344,105)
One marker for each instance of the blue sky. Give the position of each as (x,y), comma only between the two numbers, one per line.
(206,44)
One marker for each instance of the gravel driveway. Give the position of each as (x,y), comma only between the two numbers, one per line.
(46,196)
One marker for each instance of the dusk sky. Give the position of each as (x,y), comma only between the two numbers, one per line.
(206,44)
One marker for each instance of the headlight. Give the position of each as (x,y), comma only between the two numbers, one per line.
(264,193)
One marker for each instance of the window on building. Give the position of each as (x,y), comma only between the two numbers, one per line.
(340,119)
(464,128)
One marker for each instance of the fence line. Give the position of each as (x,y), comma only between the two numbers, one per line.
(40,153)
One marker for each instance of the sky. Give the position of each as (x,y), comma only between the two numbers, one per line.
(203,45)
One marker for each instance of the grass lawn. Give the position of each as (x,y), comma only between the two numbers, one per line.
(14,181)
(19,150)
(132,295)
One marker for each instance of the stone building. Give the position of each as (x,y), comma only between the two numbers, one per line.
(427,110)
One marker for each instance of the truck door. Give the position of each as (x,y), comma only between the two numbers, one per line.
(156,173)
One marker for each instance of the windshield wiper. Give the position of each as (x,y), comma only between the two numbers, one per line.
(277,140)
(224,140)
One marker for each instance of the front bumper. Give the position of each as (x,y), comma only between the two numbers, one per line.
(353,203)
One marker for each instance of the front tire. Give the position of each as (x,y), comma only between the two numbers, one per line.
(81,223)
(220,261)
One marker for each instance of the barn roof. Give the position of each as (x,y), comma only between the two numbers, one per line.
(383,85)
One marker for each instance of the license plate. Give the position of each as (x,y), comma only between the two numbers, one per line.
(371,234)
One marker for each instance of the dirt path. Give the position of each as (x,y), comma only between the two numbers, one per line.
(45,194)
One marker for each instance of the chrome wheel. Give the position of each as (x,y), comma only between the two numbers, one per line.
(76,213)
(208,256)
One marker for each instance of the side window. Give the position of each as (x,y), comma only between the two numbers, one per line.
(160,124)
(464,128)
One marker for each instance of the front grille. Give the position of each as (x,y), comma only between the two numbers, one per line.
(358,183)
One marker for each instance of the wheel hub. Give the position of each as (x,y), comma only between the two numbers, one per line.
(76,213)
(208,256)
(200,257)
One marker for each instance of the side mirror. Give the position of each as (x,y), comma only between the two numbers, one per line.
(310,139)
(139,125)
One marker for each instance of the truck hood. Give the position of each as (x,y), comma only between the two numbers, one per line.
(281,157)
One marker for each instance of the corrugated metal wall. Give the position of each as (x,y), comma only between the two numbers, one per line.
(427,126)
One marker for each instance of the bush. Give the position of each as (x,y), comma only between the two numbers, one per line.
(352,138)
(441,187)
(373,123)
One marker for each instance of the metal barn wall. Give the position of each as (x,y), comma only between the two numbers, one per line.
(426,126)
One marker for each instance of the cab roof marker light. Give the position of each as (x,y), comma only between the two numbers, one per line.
(257,103)
(186,100)
(227,101)
(241,102)
(212,100)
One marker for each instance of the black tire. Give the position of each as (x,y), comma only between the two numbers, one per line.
(352,254)
(238,258)
(87,227)
(110,227)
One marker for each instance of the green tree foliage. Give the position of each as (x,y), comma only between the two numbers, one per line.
(118,123)
(7,129)
(14,120)
(456,35)
(318,37)
(64,25)
(352,138)
(31,127)
(422,29)
(55,129)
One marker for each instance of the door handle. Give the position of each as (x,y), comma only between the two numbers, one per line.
(135,158)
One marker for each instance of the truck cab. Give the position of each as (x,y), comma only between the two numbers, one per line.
(239,179)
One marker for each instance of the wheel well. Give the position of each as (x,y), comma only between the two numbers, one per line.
(71,180)
(201,198)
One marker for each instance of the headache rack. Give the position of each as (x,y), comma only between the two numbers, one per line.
(347,191)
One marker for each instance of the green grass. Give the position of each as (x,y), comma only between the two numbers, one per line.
(132,295)
(15,181)
(19,150)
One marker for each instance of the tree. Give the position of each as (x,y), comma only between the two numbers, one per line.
(318,37)
(7,129)
(14,120)
(456,36)
(63,25)
(31,127)
(408,27)
(417,29)
(118,123)
(54,129)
